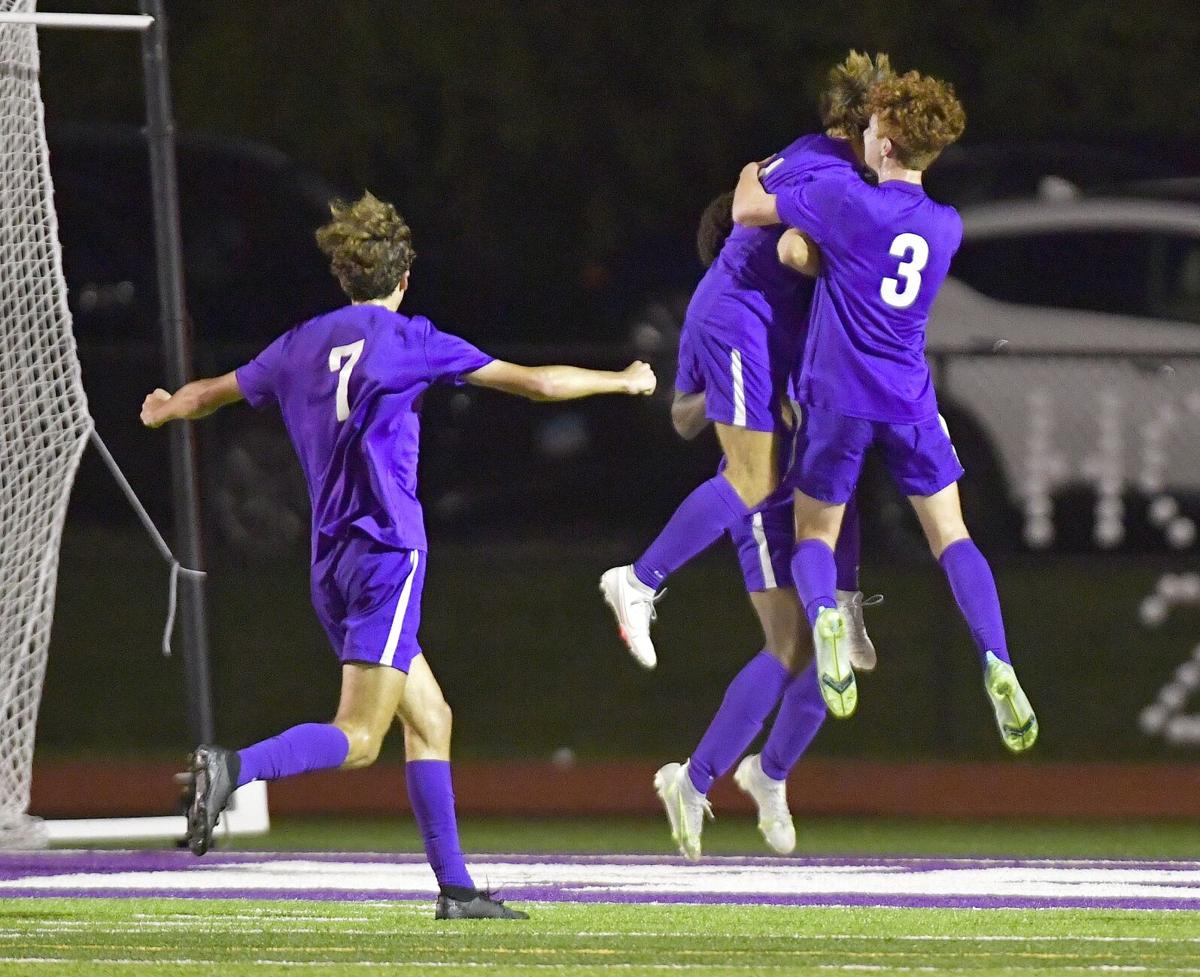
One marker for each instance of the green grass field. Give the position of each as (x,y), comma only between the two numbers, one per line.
(235,937)
(173,938)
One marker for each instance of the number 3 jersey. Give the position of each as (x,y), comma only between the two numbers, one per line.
(349,386)
(885,252)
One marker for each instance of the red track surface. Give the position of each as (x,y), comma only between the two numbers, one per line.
(968,790)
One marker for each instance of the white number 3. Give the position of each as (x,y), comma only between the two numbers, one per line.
(343,358)
(915,250)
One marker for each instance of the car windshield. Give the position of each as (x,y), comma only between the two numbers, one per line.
(1151,274)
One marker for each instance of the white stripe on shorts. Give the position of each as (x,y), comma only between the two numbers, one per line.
(764,553)
(739,388)
(393,638)
(946,431)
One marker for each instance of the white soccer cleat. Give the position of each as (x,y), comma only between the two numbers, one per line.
(632,603)
(774,818)
(859,647)
(1014,715)
(834,674)
(686,807)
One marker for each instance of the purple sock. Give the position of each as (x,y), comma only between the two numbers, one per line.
(800,716)
(815,574)
(974,588)
(311,746)
(431,794)
(848,551)
(699,522)
(751,696)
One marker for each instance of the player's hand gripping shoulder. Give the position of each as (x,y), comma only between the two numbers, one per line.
(563,382)
(191,401)
(752,205)
(798,251)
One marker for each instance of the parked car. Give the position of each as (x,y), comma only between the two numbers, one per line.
(493,463)
(1067,340)
(247,212)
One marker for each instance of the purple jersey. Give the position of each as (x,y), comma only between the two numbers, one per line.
(885,252)
(748,259)
(349,385)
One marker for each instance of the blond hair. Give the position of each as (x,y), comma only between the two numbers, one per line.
(921,116)
(843,104)
(369,247)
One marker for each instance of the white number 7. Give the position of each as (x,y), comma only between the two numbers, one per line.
(343,358)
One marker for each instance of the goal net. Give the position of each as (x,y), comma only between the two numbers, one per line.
(44,420)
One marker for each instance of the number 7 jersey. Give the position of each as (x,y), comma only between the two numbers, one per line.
(885,252)
(349,386)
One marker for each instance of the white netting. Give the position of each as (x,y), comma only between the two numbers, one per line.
(44,421)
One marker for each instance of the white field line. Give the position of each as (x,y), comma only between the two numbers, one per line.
(387,927)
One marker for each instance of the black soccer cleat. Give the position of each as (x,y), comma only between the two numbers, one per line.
(214,771)
(483,906)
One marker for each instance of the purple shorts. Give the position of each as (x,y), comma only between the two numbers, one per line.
(764,544)
(743,359)
(368,598)
(919,457)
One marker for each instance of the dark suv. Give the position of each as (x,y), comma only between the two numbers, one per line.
(492,464)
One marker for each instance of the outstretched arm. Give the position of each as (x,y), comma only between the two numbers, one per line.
(752,205)
(562,382)
(798,251)
(191,401)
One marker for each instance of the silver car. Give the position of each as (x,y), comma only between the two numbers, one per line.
(1066,342)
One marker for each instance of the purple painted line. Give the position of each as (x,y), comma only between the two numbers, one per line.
(18,866)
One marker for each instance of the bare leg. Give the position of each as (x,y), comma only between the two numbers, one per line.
(370,697)
(751,462)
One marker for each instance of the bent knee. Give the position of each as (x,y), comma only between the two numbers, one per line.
(364,745)
(435,721)
(946,536)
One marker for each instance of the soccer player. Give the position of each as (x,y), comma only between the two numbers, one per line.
(748,314)
(349,385)
(779,675)
(884,252)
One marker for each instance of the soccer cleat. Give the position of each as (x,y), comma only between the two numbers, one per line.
(633,604)
(1014,715)
(834,673)
(686,807)
(859,648)
(774,818)
(483,906)
(214,772)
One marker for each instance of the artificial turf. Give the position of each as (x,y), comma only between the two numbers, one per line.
(165,938)
(736,835)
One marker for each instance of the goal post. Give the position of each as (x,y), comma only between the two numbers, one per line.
(45,424)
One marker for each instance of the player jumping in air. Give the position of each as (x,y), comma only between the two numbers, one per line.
(748,315)
(780,675)
(349,386)
(863,378)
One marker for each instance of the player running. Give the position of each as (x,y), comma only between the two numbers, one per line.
(781,674)
(864,380)
(748,314)
(349,385)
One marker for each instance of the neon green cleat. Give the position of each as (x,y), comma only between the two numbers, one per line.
(1014,715)
(834,673)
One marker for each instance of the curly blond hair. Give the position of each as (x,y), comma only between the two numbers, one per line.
(921,116)
(369,247)
(843,104)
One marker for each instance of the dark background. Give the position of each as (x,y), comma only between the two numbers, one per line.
(552,159)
